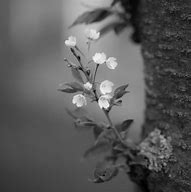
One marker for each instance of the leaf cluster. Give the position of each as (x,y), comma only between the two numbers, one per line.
(107,148)
(124,18)
(100,14)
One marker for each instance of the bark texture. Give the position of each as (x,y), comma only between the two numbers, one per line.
(165,27)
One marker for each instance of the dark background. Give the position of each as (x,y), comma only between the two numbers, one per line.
(40,149)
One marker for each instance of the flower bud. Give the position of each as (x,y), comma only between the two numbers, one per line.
(92,34)
(71,41)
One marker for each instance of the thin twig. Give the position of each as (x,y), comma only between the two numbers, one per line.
(95,73)
(81,65)
(112,126)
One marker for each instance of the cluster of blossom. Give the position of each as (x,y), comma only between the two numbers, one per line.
(156,147)
(106,86)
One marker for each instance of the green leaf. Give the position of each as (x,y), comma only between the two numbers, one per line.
(84,123)
(81,112)
(107,28)
(76,86)
(140,160)
(67,90)
(72,87)
(105,174)
(97,130)
(123,128)
(78,113)
(115,2)
(126,124)
(106,135)
(117,103)
(89,17)
(72,114)
(120,91)
(99,148)
(119,147)
(117,27)
(77,75)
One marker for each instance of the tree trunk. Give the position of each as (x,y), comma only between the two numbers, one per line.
(165,27)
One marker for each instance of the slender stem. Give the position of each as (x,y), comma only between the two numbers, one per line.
(89,44)
(112,126)
(106,112)
(78,49)
(97,66)
(88,50)
(94,87)
(81,65)
(77,57)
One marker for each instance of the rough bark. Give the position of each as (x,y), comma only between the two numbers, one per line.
(165,27)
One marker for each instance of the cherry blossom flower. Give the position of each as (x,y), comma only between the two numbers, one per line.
(111,63)
(106,87)
(71,41)
(79,100)
(99,58)
(104,101)
(92,34)
(88,86)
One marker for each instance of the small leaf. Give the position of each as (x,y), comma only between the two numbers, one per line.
(67,90)
(84,123)
(81,112)
(108,27)
(72,114)
(124,129)
(77,75)
(78,113)
(89,17)
(119,28)
(126,124)
(106,135)
(140,160)
(120,91)
(76,86)
(99,148)
(97,130)
(117,103)
(115,2)
(72,87)
(105,174)
(130,144)
(119,147)
(91,76)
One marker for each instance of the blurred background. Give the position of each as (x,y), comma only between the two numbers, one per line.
(40,149)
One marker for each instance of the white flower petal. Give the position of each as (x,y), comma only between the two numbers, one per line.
(71,41)
(92,34)
(88,86)
(104,101)
(79,100)
(111,63)
(99,58)
(106,87)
